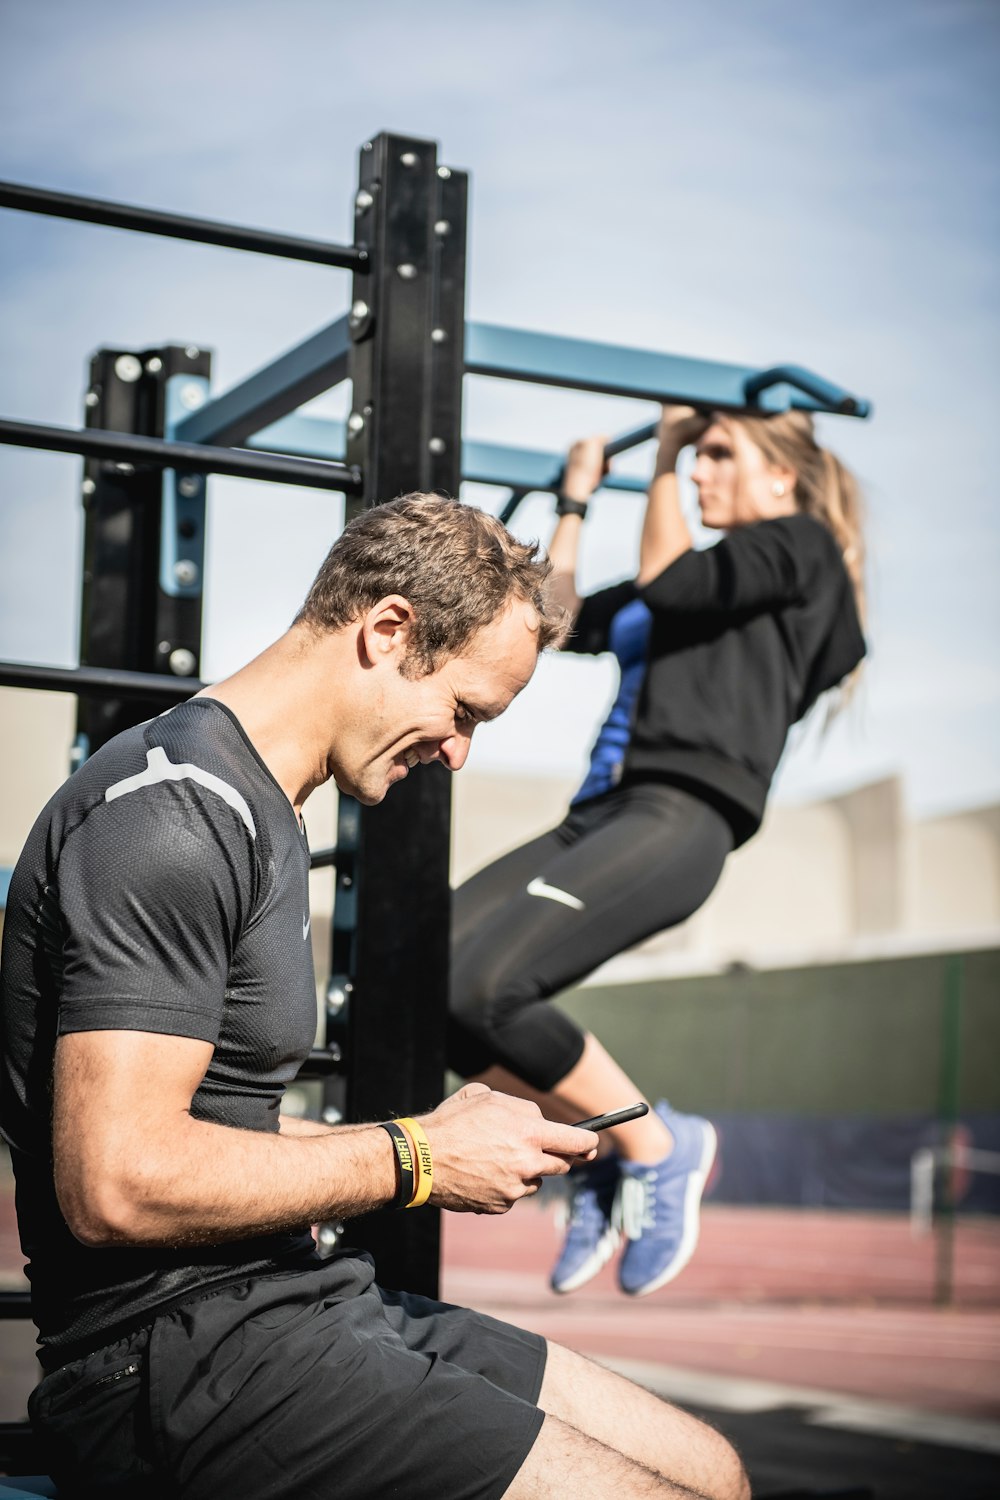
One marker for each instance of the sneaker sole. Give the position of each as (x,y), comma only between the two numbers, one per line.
(692,1209)
(596,1261)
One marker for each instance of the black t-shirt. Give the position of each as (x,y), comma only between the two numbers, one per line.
(745,637)
(164,888)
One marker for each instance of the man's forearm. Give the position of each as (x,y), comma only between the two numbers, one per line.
(212,1183)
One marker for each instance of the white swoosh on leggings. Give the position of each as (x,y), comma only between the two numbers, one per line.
(538,887)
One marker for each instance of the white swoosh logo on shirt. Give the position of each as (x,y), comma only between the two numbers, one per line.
(538,887)
(306,924)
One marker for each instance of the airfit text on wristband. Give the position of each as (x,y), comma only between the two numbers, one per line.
(423,1164)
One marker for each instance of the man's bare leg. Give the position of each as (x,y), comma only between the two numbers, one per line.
(605,1436)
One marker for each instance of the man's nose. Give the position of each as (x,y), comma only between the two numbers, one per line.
(454,751)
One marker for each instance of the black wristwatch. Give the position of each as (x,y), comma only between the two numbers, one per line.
(567,507)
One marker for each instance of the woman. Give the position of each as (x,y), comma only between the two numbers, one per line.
(720,651)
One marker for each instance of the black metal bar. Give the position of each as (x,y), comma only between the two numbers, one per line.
(322,859)
(391,919)
(271,393)
(631,439)
(241,463)
(511,504)
(14,1305)
(35,200)
(617,445)
(99,682)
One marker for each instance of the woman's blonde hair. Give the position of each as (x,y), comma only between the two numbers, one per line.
(824,487)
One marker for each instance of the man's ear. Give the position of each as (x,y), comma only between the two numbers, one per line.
(386,628)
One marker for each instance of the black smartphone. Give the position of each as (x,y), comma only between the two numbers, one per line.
(616,1117)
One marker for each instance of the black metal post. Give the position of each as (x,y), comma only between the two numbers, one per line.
(392,916)
(128,620)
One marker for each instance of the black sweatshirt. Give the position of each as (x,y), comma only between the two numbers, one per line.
(745,637)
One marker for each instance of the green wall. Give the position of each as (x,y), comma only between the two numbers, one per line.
(865,1038)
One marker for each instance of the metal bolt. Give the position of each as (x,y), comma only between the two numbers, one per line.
(442,227)
(186,573)
(154,365)
(128,368)
(367,146)
(437,445)
(409,158)
(444,172)
(346,882)
(336,998)
(189,484)
(192,396)
(363,201)
(332,1116)
(406,271)
(192,351)
(438,336)
(163,648)
(89,486)
(91,398)
(182,662)
(359,311)
(355,423)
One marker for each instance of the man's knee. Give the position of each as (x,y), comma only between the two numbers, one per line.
(693,1456)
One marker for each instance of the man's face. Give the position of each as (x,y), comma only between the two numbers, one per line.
(408,722)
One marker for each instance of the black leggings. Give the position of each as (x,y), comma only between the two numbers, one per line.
(619,867)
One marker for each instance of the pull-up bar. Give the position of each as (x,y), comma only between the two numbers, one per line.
(129,448)
(34,200)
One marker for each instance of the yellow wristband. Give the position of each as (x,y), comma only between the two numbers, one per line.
(422,1163)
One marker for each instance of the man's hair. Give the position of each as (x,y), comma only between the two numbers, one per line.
(457,566)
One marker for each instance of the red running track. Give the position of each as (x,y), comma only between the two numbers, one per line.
(833,1301)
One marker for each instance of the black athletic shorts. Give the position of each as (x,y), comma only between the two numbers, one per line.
(312,1385)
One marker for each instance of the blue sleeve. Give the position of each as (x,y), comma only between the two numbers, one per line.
(153,891)
(593,624)
(754,568)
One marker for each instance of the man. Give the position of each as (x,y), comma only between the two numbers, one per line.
(157,997)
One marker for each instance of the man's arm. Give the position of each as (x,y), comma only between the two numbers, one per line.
(132,1165)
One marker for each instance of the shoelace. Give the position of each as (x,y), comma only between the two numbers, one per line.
(634,1205)
(583,1206)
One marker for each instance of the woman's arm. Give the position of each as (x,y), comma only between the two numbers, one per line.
(665,534)
(584,471)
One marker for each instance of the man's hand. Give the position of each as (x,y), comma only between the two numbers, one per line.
(490,1149)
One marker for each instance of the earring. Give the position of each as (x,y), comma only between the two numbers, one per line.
(778,489)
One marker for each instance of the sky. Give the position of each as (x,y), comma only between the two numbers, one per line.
(762,182)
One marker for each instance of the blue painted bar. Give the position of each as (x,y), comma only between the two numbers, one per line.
(529,469)
(279,388)
(515,354)
(482,463)
(547,359)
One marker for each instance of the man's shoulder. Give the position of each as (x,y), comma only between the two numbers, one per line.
(189,764)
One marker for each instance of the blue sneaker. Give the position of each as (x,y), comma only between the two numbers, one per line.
(591,1236)
(657,1206)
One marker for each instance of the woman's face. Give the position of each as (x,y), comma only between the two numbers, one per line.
(736,485)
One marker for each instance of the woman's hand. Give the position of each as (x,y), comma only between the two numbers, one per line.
(679,426)
(585,468)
